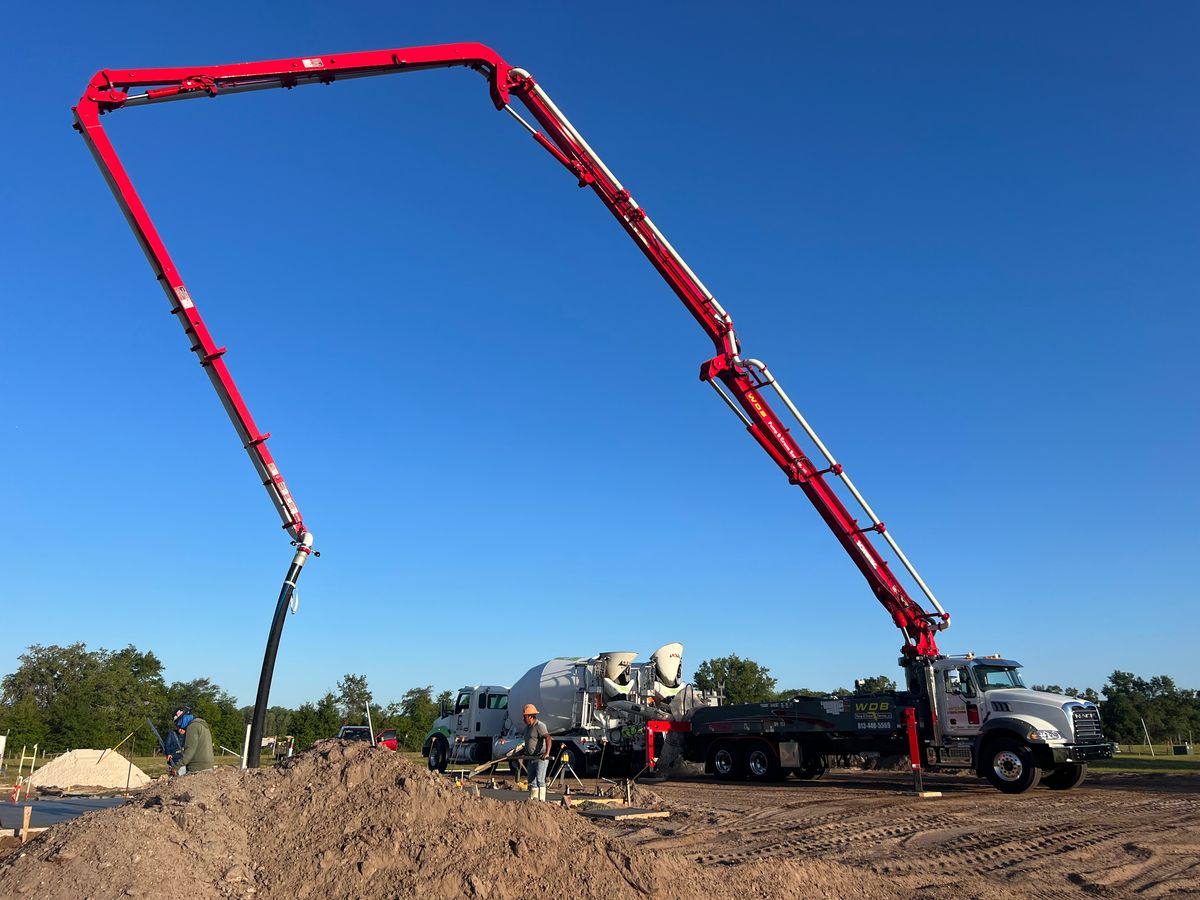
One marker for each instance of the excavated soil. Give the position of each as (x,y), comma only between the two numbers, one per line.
(346,820)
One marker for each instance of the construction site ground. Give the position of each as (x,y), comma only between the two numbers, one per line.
(351,821)
(1116,836)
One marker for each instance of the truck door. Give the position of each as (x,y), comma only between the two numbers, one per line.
(493,712)
(958,701)
(462,712)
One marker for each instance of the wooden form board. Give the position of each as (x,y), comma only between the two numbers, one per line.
(625,813)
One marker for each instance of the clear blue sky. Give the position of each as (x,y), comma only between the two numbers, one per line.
(965,238)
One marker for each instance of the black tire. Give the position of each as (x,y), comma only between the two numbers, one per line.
(762,764)
(812,768)
(439,754)
(727,761)
(1066,777)
(1010,767)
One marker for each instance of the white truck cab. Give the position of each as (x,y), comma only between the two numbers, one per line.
(986,717)
(464,731)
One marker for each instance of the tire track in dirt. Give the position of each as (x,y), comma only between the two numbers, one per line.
(1122,840)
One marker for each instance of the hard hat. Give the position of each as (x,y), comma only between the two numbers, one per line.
(185,720)
(529,710)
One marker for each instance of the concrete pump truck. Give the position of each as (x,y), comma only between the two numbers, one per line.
(965,712)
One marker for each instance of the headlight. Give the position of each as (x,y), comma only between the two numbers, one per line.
(1046,735)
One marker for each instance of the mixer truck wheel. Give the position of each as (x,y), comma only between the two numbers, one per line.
(727,760)
(439,755)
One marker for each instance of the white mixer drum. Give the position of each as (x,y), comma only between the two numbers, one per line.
(554,688)
(668,663)
(616,665)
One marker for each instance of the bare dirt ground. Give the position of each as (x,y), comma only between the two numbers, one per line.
(1116,836)
(347,820)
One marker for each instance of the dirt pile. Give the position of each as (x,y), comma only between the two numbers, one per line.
(347,820)
(89,769)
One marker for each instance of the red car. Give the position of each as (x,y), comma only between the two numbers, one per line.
(386,739)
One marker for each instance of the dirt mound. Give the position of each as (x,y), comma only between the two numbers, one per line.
(89,769)
(347,820)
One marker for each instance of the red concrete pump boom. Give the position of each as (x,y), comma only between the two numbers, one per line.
(738,379)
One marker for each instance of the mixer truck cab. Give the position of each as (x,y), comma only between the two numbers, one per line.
(465,730)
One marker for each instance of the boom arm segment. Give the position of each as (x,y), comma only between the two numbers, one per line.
(742,378)
(738,380)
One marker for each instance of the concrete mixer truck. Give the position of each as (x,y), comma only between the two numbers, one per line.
(596,708)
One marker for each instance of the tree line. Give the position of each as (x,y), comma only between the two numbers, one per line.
(68,697)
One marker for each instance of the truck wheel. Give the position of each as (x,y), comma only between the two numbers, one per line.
(726,761)
(812,768)
(1067,777)
(761,762)
(1010,767)
(439,755)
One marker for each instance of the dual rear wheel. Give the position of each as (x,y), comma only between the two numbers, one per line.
(757,760)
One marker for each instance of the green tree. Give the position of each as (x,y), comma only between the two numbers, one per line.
(45,672)
(875,684)
(1167,710)
(417,711)
(789,693)
(329,717)
(24,724)
(354,695)
(211,703)
(744,680)
(305,726)
(84,698)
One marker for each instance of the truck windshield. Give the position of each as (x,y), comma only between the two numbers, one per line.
(997,677)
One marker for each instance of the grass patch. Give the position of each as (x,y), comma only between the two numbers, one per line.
(1145,764)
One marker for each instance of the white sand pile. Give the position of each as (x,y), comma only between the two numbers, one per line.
(86,768)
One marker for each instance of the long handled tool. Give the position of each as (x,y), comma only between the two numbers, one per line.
(487,765)
(119,743)
(158,737)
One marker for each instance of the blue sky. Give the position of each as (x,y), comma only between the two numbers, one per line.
(963,238)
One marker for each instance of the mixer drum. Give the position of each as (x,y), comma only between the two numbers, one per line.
(554,688)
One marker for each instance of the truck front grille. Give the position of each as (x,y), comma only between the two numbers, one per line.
(1087,726)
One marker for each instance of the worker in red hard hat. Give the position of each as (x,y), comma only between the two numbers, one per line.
(537,751)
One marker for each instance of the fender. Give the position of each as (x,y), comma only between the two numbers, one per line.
(444,732)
